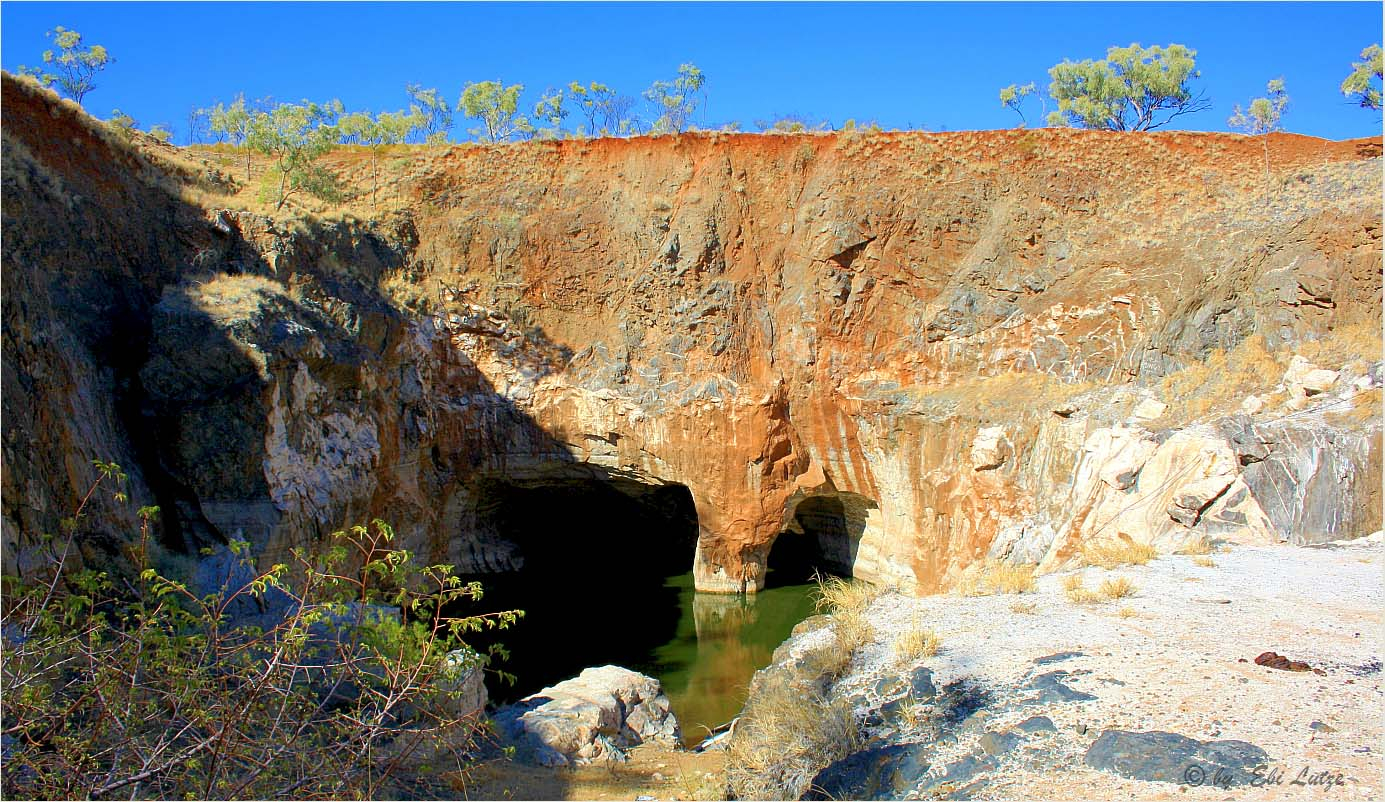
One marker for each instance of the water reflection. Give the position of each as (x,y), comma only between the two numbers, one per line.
(720,641)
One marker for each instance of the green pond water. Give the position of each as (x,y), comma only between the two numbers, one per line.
(702,647)
(720,641)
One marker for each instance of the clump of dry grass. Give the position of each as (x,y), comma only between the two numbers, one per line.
(1205,562)
(1365,407)
(784,737)
(1118,588)
(1225,378)
(1077,592)
(836,595)
(1219,383)
(1110,554)
(846,602)
(701,785)
(1024,608)
(228,297)
(1128,612)
(1202,545)
(1343,344)
(991,577)
(917,643)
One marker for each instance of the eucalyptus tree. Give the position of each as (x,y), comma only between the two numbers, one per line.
(550,110)
(675,101)
(295,135)
(1012,97)
(496,106)
(1363,84)
(432,115)
(234,123)
(377,133)
(75,67)
(1133,89)
(1261,117)
(607,112)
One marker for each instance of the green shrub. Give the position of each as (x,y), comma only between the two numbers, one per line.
(139,687)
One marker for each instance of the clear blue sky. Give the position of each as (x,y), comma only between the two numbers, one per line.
(937,66)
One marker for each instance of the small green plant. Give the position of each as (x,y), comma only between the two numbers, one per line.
(135,685)
(123,124)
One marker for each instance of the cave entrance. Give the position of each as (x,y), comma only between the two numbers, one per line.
(600,560)
(822,537)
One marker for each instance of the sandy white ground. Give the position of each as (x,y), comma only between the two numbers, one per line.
(1174,666)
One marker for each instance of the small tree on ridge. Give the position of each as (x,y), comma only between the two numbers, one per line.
(76,66)
(1261,118)
(1133,89)
(497,107)
(1363,84)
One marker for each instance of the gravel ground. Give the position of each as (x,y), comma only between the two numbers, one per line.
(1177,656)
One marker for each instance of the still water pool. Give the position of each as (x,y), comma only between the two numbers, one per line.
(719,643)
(703,647)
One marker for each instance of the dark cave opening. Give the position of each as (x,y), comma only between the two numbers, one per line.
(598,556)
(821,538)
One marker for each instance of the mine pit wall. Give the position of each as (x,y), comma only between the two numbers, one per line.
(770,317)
(760,319)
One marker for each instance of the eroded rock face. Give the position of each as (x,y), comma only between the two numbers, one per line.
(761,319)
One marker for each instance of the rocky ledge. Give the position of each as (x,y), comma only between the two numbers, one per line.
(1157,694)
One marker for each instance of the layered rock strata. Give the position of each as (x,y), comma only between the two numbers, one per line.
(946,333)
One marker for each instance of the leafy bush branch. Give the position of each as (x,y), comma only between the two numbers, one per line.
(143,687)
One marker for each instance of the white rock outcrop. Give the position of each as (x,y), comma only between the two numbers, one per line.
(990,449)
(596,715)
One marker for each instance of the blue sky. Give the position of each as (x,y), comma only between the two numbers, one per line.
(937,66)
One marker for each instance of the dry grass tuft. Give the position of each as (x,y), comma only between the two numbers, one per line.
(1205,562)
(846,601)
(990,577)
(1128,612)
(1203,545)
(919,642)
(1083,596)
(837,595)
(700,785)
(1110,554)
(1365,408)
(1118,588)
(1024,608)
(785,736)
(1218,384)
(1078,593)
(1343,345)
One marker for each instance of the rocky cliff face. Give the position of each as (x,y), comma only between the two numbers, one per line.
(947,336)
